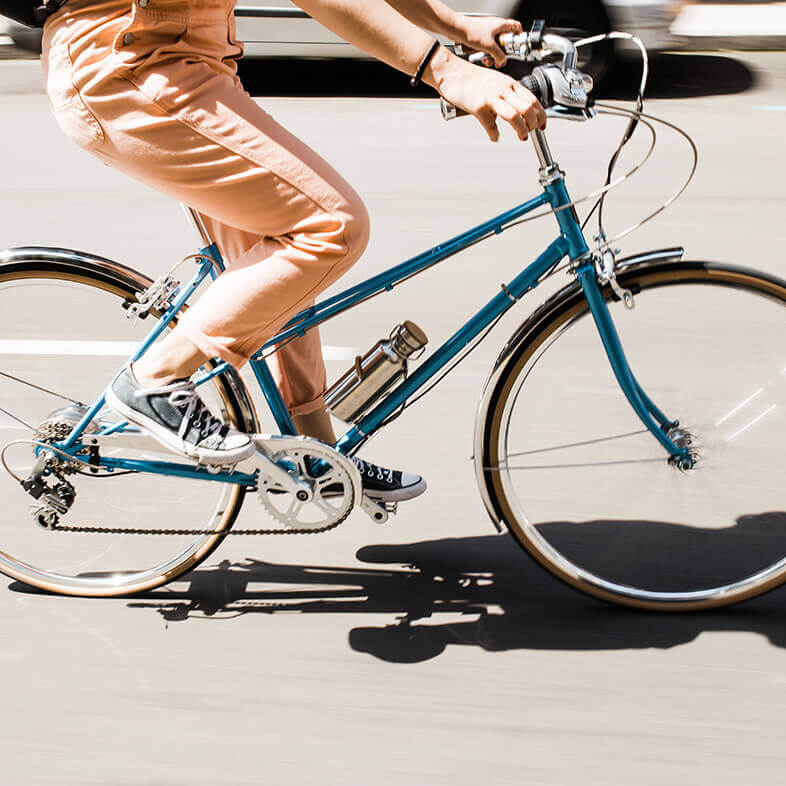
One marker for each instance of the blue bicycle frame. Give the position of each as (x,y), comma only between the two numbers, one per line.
(570,244)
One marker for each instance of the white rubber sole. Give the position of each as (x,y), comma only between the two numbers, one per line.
(171,441)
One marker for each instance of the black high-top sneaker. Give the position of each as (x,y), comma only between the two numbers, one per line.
(388,485)
(176,416)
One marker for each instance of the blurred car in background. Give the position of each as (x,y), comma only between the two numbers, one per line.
(284,30)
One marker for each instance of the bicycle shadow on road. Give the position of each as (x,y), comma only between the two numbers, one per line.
(672,75)
(473,591)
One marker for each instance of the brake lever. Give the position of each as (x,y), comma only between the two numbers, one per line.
(571,113)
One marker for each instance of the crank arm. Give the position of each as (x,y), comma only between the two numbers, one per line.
(376,512)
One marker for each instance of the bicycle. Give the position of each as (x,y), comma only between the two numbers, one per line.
(675,460)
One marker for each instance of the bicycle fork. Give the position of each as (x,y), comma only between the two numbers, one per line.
(676,441)
(666,431)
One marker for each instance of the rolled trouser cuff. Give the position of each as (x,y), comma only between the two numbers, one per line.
(310,406)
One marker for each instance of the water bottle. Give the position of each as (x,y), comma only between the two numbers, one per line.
(375,372)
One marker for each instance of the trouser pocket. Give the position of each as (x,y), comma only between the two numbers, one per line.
(71,112)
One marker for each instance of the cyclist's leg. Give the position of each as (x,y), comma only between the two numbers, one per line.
(184,125)
(298,366)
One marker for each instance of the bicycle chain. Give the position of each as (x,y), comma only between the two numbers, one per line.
(96,530)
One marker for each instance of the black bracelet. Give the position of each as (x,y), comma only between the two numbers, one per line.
(415,81)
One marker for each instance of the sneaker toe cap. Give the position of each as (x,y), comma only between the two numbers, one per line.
(236,439)
(411,481)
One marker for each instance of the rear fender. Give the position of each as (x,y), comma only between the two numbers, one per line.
(118,279)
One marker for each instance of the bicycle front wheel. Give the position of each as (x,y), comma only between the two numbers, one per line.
(63,335)
(587,490)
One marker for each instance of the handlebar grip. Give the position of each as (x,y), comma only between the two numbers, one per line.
(538,84)
(450,112)
(532,84)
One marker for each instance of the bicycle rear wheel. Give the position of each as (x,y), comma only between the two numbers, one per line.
(63,335)
(588,492)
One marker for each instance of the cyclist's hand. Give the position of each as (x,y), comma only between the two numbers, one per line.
(482,33)
(488,95)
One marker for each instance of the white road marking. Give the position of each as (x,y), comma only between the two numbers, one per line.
(11,425)
(46,346)
(740,406)
(755,420)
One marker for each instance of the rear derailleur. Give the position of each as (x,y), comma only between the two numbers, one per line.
(47,485)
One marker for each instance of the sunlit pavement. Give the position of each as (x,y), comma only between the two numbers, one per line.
(428,651)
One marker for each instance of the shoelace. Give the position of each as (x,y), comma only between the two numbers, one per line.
(183,396)
(373,471)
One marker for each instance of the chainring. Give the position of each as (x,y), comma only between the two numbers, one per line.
(333,478)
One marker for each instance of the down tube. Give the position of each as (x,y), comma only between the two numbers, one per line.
(497,306)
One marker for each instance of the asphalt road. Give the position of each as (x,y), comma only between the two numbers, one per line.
(369,656)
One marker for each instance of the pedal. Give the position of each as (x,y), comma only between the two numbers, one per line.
(378,512)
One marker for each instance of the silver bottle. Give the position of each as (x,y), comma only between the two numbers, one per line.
(375,372)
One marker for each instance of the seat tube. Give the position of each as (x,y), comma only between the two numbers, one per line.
(272,395)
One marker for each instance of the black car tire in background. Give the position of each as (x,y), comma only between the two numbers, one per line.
(27,38)
(573,19)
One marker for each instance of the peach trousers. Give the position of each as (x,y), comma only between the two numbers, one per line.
(150,87)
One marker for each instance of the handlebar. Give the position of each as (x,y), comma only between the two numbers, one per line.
(536,44)
(561,89)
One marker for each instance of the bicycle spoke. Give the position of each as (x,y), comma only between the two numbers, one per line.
(14,417)
(567,445)
(38,387)
(505,467)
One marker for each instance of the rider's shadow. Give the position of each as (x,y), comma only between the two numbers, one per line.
(478,591)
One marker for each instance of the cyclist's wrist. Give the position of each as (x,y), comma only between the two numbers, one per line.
(441,64)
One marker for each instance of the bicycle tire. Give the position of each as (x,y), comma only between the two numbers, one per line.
(99,280)
(741,435)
